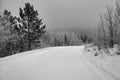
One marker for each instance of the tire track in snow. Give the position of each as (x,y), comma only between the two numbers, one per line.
(101,68)
(70,63)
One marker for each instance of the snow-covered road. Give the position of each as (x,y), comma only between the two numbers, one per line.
(60,63)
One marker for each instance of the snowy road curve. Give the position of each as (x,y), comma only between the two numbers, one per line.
(60,63)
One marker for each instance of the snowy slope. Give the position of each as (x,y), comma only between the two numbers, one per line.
(60,63)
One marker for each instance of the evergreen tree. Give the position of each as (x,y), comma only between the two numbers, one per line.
(30,26)
(6,21)
(84,38)
(66,42)
(7,44)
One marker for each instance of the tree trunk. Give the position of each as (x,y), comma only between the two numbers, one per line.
(29,42)
(111,38)
(111,43)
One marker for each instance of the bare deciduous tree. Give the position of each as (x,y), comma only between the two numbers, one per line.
(107,26)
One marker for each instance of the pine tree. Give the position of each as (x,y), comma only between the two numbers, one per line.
(30,26)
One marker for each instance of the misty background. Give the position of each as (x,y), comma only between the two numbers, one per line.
(64,14)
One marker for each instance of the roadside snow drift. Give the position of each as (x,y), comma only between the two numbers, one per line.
(59,63)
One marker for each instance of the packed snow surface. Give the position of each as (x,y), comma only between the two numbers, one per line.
(59,63)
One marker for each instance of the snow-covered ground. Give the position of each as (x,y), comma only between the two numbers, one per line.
(59,63)
(106,59)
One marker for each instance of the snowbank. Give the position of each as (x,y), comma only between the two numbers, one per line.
(106,59)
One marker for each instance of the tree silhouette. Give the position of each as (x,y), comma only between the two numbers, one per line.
(66,42)
(30,26)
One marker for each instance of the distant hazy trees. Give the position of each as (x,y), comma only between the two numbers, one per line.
(66,38)
(86,38)
(108,29)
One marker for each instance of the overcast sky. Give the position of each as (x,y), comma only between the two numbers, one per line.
(63,13)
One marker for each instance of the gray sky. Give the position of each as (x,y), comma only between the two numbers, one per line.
(64,13)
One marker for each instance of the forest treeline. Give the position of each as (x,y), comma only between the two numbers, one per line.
(28,32)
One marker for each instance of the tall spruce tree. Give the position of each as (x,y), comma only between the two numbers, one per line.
(30,26)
